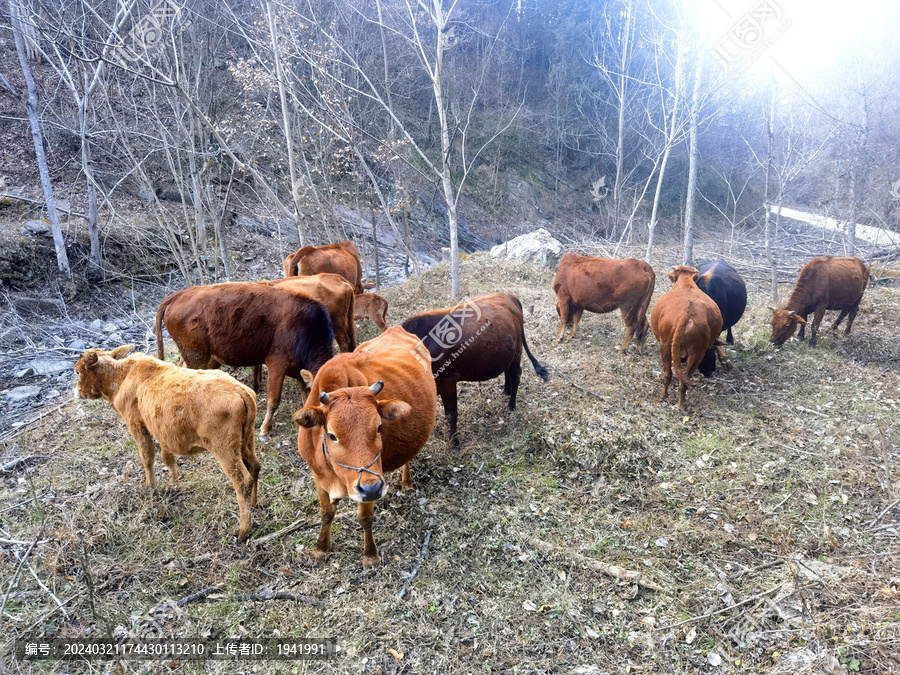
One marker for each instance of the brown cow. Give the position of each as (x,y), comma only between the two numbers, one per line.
(247,324)
(474,341)
(824,283)
(340,258)
(602,285)
(186,411)
(333,291)
(368,412)
(686,323)
(372,307)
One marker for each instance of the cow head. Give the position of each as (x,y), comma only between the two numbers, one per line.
(682,271)
(784,323)
(348,426)
(94,371)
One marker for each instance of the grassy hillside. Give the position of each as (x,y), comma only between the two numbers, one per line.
(762,522)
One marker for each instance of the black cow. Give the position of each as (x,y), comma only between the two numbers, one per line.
(721,282)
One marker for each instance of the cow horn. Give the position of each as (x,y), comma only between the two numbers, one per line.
(324,398)
(772,308)
(377,387)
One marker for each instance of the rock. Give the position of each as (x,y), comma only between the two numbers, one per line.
(445,254)
(28,372)
(714,659)
(538,246)
(51,366)
(80,345)
(22,393)
(24,303)
(110,328)
(115,339)
(37,228)
(96,325)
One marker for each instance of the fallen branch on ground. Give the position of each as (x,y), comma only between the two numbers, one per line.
(577,386)
(19,462)
(207,594)
(725,609)
(293,527)
(415,570)
(610,570)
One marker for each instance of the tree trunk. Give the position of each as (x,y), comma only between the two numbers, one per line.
(770,235)
(693,161)
(857,184)
(620,146)
(62,259)
(87,167)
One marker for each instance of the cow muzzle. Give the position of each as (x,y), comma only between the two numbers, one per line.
(361,493)
(369,492)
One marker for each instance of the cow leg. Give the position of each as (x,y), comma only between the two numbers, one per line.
(328,509)
(562,308)
(817,320)
(851,315)
(449,399)
(723,358)
(370,550)
(273,395)
(251,463)
(244,487)
(839,319)
(170,459)
(148,452)
(682,388)
(406,482)
(381,323)
(576,319)
(629,332)
(665,354)
(511,379)
(257,377)
(729,338)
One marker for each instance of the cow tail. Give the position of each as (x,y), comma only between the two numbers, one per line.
(160,349)
(248,436)
(542,372)
(640,332)
(677,341)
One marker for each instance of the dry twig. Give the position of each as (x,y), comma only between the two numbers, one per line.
(415,570)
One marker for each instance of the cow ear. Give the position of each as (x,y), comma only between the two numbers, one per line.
(393,408)
(90,357)
(797,317)
(121,352)
(310,417)
(672,276)
(695,276)
(773,309)
(307,378)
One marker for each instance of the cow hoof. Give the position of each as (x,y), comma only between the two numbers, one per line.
(371,562)
(316,557)
(262,438)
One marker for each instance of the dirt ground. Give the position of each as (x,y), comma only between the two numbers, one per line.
(594,530)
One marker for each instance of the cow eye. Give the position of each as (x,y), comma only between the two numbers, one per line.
(379,427)
(332,437)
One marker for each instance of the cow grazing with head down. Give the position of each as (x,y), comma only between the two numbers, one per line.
(602,285)
(372,307)
(824,283)
(476,340)
(186,411)
(340,258)
(721,282)
(333,291)
(368,412)
(686,323)
(248,324)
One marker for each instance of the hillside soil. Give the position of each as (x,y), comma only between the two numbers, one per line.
(593,530)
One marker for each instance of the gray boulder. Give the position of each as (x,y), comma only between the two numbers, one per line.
(22,393)
(37,228)
(538,247)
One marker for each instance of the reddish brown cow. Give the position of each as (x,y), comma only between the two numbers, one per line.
(686,323)
(372,307)
(602,285)
(186,411)
(333,291)
(474,341)
(340,258)
(368,412)
(248,324)
(824,283)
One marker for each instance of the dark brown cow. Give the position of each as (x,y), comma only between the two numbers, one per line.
(248,324)
(686,323)
(340,258)
(333,291)
(368,412)
(824,283)
(476,340)
(602,285)
(186,411)
(372,307)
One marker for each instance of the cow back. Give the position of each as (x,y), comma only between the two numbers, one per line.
(838,283)
(721,282)
(603,284)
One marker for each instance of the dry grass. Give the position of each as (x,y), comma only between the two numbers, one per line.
(767,512)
